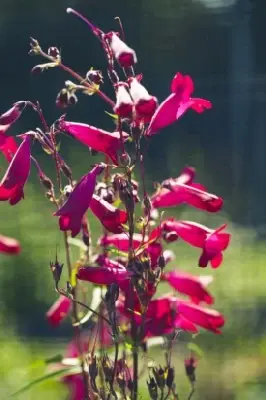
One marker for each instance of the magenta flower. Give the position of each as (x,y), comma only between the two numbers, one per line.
(111,217)
(105,142)
(174,192)
(104,261)
(175,105)
(72,211)
(103,275)
(12,184)
(75,385)
(59,310)
(212,242)
(184,324)
(124,104)
(206,318)
(8,146)
(190,285)
(123,54)
(11,116)
(9,245)
(145,104)
(121,241)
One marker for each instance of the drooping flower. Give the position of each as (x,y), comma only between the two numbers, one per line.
(112,218)
(123,54)
(11,116)
(120,241)
(175,105)
(147,245)
(72,211)
(124,104)
(97,139)
(107,262)
(206,318)
(8,146)
(59,310)
(9,245)
(212,242)
(103,275)
(163,318)
(190,285)
(12,184)
(174,192)
(145,103)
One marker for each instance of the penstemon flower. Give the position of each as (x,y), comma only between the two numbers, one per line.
(125,267)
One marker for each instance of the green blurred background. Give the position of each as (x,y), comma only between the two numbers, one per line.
(221,44)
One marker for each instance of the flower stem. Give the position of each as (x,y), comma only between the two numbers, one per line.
(77,76)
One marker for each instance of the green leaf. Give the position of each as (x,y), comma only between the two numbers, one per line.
(114,116)
(41,379)
(77,242)
(194,347)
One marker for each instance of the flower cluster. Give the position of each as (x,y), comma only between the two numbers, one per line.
(130,260)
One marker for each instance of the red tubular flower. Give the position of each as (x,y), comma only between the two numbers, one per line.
(185,324)
(123,54)
(111,217)
(121,241)
(9,245)
(215,243)
(124,104)
(189,285)
(212,242)
(97,139)
(72,211)
(175,105)
(162,318)
(209,319)
(8,146)
(104,261)
(11,116)
(76,386)
(58,311)
(103,275)
(12,184)
(174,192)
(145,104)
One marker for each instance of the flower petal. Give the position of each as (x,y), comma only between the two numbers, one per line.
(72,211)
(59,310)
(111,217)
(97,139)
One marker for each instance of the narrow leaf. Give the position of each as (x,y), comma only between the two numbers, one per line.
(39,380)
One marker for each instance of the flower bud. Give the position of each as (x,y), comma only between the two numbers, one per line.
(190,367)
(66,171)
(94,76)
(62,99)
(159,376)
(145,103)
(54,52)
(46,182)
(153,389)
(170,377)
(123,54)
(124,103)
(56,269)
(170,237)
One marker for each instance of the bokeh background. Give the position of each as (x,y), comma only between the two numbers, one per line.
(220,43)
